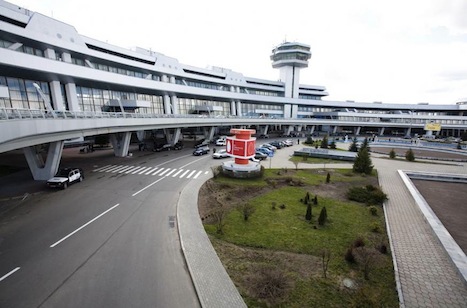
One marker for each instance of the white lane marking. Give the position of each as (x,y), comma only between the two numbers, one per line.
(103,169)
(191,174)
(119,169)
(194,161)
(174,159)
(99,169)
(177,173)
(206,172)
(184,173)
(137,170)
(158,171)
(150,170)
(131,169)
(161,174)
(196,176)
(113,168)
(144,170)
(173,170)
(125,169)
(83,226)
(147,187)
(9,274)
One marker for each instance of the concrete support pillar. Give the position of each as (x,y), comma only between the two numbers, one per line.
(381,131)
(42,171)
(172,79)
(358,130)
(287,111)
(239,109)
(140,135)
(265,129)
(174,101)
(232,108)
(167,108)
(312,130)
(294,111)
(176,135)
(408,131)
(334,130)
(289,130)
(121,143)
(212,130)
(72,97)
(57,98)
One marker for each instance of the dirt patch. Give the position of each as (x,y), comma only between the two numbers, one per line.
(447,200)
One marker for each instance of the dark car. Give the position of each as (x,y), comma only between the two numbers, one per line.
(201,151)
(164,147)
(65,177)
(277,144)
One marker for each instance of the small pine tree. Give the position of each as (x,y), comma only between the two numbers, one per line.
(307,198)
(308,212)
(309,140)
(409,155)
(328,178)
(324,142)
(366,144)
(333,144)
(323,216)
(362,163)
(315,200)
(353,146)
(392,154)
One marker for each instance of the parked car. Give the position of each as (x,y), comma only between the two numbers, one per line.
(260,155)
(277,144)
(164,147)
(265,136)
(288,142)
(221,142)
(204,143)
(220,154)
(265,151)
(269,146)
(65,177)
(201,150)
(178,145)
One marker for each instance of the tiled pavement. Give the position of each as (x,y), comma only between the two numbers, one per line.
(425,275)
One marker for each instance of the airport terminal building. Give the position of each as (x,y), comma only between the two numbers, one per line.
(48,68)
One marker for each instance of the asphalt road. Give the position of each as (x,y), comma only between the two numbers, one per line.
(110,241)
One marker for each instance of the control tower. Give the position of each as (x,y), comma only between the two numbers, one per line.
(290,58)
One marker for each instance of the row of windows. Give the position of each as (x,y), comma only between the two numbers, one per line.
(23,94)
(291,56)
(308,96)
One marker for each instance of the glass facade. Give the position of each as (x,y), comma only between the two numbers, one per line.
(189,106)
(23,95)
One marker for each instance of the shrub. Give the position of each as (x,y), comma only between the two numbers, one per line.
(367,195)
(282,206)
(375,227)
(392,154)
(308,212)
(328,178)
(353,146)
(315,200)
(323,216)
(324,142)
(409,155)
(349,256)
(246,209)
(270,284)
(358,242)
(273,205)
(373,210)
(383,248)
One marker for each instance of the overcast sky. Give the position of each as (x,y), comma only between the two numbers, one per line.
(393,51)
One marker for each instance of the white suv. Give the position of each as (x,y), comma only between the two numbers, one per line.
(65,177)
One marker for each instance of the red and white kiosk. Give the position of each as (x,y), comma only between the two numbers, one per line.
(242,147)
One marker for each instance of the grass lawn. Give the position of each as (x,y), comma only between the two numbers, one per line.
(281,245)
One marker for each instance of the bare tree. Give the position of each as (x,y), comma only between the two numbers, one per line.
(368,258)
(220,214)
(246,209)
(325,258)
